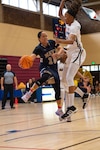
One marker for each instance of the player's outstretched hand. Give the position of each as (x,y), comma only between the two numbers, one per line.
(63,57)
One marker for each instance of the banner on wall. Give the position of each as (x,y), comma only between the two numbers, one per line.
(59,28)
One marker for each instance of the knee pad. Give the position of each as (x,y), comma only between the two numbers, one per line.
(43,79)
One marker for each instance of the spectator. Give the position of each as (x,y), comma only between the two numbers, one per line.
(96,86)
(85,85)
(29,85)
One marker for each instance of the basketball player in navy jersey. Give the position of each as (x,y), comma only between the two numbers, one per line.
(49,52)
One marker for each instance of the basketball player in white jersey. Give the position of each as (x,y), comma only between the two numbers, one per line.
(76,56)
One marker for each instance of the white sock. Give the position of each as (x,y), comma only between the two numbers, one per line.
(67,102)
(79,91)
(62,93)
(71,99)
(30,92)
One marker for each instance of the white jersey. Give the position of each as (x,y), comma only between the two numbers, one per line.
(74,29)
(75,51)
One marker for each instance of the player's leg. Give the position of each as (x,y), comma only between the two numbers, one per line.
(70,80)
(85,97)
(71,72)
(58,98)
(74,67)
(70,105)
(11,96)
(6,89)
(35,86)
(67,104)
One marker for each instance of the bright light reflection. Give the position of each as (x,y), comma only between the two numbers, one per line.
(49,109)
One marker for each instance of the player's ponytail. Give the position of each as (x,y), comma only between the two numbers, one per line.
(73,6)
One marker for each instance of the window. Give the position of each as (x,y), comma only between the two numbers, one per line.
(23,4)
(5,1)
(34,5)
(49,9)
(45,8)
(94,68)
(86,68)
(91,68)
(52,10)
(14,3)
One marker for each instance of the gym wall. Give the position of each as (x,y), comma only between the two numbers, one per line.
(18,40)
(18,36)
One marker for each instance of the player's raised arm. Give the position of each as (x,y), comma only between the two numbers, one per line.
(60,13)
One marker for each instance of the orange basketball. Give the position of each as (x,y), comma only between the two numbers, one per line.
(25,62)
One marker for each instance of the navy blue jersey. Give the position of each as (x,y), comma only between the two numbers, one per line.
(48,66)
(45,54)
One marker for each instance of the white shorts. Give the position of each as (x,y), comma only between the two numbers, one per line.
(73,63)
(76,57)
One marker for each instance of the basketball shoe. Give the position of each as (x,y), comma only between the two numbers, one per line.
(59,112)
(69,119)
(70,110)
(26,96)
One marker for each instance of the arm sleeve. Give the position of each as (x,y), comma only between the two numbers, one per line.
(37,51)
(14,74)
(53,42)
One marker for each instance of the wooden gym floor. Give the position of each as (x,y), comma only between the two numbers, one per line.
(35,126)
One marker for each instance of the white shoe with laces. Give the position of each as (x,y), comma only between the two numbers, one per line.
(26,97)
(70,110)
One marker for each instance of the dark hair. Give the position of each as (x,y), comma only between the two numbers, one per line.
(39,34)
(73,7)
(72,13)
